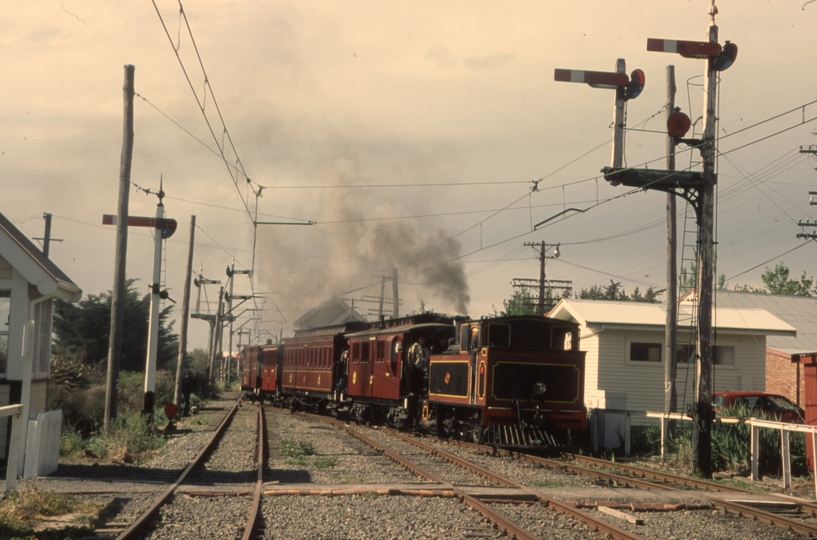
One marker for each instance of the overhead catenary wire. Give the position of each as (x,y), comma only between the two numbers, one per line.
(199,101)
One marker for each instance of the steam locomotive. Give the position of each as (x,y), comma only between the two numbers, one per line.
(514,381)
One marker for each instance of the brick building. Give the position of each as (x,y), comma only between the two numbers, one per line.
(783,376)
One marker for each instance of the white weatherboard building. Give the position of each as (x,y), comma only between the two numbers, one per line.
(624,342)
(29,284)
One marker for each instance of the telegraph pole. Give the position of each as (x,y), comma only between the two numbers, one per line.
(671,328)
(185,315)
(543,283)
(395,297)
(118,291)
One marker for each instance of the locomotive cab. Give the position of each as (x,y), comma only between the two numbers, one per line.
(388,366)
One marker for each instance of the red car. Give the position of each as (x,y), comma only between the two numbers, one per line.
(771,406)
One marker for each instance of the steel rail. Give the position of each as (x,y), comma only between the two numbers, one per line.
(734,507)
(643,472)
(259,484)
(588,519)
(498,519)
(143,518)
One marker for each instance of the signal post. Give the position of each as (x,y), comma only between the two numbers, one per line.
(698,188)
(164,228)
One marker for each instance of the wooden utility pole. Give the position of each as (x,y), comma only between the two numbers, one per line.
(180,365)
(214,337)
(47,235)
(118,292)
(671,327)
(395,297)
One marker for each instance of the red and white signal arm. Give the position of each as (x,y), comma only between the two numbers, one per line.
(596,79)
(687,49)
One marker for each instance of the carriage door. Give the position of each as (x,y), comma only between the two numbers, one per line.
(367,358)
(355,375)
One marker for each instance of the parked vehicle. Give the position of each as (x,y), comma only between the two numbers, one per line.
(759,404)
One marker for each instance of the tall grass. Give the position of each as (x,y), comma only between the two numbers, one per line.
(130,439)
(731,446)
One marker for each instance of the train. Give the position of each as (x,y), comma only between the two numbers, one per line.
(509,381)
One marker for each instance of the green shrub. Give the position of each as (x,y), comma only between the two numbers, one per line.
(129,439)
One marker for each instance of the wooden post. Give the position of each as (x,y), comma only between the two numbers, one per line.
(702,434)
(395,297)
(118,292)
(785,453)
(671,329)
(185,315)
(754,445)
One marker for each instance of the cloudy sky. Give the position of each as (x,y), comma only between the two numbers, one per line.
(409,133)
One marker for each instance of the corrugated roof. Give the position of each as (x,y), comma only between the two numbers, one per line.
(597,312)
(798,311)
(63,281)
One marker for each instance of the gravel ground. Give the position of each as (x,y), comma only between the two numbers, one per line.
(565,486)
(338,457)
(130,484)
(371,518)
(231,465)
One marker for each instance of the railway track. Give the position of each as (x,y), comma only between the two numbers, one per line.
(427,465)
(166,516)
(650,479)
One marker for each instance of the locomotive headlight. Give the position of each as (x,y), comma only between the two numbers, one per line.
(539,388)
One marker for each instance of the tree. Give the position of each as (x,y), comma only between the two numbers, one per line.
(521,303)
(777,282)
(615,292)
(82,330)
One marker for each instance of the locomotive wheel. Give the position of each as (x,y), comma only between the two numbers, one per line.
(476,434)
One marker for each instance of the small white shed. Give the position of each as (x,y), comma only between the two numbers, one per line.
(29,283)
(624,342)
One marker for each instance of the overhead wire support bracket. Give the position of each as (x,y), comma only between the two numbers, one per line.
(282,223)
(563,212)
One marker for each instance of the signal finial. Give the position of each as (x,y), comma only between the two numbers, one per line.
(713,10)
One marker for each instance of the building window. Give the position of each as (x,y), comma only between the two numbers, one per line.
(724,355)
(42,339)
(5,312)
(645,352)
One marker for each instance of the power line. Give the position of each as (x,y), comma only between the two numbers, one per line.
(199,101)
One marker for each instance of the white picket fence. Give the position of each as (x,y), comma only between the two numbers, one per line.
(43,444)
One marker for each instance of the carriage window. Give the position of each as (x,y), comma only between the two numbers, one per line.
(364,353)
(381,351)
(499,335)
(355,352)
